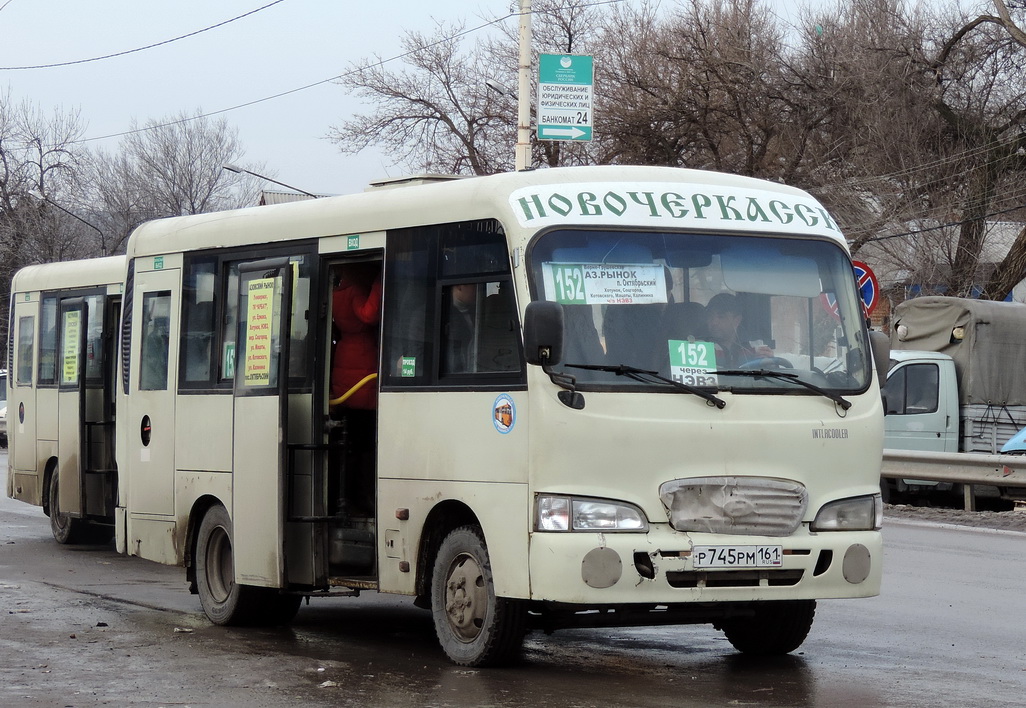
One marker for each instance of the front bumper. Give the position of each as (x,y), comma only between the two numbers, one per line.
(656,568)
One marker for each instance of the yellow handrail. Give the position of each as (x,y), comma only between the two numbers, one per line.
(356,387)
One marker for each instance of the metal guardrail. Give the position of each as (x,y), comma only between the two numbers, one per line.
(963,467)
(967,468)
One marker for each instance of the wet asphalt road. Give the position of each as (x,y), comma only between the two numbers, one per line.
(82,626)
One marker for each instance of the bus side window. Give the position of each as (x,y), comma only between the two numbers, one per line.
(47,342)
(26,348)
(408,310)
(155,322)
(230,321)
(198,332)
(498,342)
(94,339)
(450,314)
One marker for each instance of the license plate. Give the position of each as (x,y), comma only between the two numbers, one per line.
(737,556)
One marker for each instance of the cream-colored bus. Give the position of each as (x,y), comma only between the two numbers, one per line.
(597,396)
(64,326)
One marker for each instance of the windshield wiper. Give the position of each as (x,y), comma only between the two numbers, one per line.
(646,376)
(844,403)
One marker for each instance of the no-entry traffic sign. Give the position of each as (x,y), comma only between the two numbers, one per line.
(869,287)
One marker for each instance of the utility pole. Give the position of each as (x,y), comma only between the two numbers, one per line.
(522,156)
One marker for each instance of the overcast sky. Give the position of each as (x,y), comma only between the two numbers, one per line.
(289,45)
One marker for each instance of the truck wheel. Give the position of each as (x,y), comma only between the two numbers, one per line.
(778,627)
(64,528)
(474,627)
(224,601)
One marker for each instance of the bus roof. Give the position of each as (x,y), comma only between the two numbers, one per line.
(657,197)
(69,274)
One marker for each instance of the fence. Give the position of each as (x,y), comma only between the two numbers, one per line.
(966,468)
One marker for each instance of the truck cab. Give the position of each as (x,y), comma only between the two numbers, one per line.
(921,399)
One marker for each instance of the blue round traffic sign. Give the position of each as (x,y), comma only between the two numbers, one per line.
(869,287)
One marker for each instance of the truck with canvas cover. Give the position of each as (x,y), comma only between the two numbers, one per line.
(957,381)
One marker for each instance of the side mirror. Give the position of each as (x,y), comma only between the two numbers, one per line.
(881,345)
(543,333)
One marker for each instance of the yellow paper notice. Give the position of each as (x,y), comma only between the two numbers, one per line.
(259,310)
(72,333)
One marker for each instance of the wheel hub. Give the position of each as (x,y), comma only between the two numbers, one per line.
(466,598)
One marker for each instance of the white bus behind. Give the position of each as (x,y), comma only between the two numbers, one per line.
(64,327)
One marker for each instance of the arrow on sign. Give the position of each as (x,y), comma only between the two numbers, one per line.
(562,132)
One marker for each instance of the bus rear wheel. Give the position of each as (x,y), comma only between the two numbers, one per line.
(65,529)
(224,601)
(778,627)
(474,627)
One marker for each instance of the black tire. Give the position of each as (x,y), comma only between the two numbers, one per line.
(777,628)
(224,601)
(65,529)
(474,627)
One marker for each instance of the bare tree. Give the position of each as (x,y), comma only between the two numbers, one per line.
(38,165)
(905,118)
(699,88)
(435,116)
(438,115)
(169,167)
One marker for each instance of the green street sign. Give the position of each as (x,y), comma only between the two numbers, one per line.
(565,96)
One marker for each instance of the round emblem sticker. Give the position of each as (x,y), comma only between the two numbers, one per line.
(504,413)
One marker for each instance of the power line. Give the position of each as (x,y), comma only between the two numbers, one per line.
(365,67)
(139,49)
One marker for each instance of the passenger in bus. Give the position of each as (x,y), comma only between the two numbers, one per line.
(356,311)
(723,318)
(497,343)
(461,329)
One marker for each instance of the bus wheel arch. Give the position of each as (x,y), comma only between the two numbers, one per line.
(441,520)
(196,514)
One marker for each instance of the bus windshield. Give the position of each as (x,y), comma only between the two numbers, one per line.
(742,313)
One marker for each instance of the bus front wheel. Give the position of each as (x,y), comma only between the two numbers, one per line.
(64,528)
(474,627)
(777,628)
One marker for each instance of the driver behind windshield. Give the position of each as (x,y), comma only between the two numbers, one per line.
(723,315)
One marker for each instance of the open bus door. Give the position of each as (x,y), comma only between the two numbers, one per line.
(261,422)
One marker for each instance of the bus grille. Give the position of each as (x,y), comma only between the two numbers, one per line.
(734,578)
(746,506)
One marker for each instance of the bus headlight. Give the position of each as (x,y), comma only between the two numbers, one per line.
(561,513)
(855,514)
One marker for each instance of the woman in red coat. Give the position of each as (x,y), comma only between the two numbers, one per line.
(356,311)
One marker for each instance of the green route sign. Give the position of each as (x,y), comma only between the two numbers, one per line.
(564,96)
